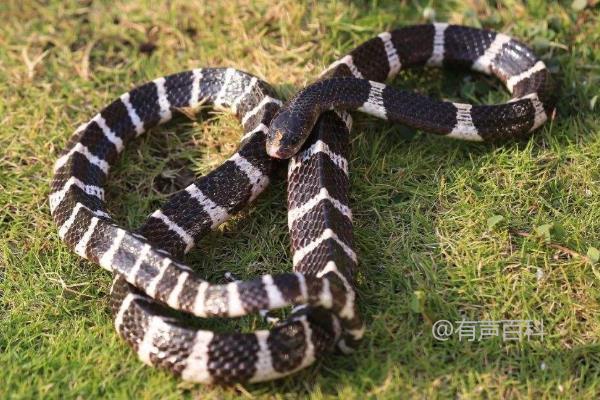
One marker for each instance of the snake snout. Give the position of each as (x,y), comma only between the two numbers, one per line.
(281,145)
(286,135)
(274,144)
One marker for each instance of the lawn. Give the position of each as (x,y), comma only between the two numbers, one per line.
(445,230)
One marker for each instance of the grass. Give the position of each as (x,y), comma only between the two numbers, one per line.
(444,229)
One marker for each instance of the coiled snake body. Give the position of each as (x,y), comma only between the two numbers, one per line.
(149,274)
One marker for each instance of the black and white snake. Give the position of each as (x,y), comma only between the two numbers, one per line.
(149,274)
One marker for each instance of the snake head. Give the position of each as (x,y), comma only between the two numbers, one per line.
(287,132)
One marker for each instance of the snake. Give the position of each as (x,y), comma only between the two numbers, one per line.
(152,285)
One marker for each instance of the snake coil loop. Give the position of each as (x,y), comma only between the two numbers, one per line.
(149,274)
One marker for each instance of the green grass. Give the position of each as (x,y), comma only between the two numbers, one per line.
(428,248)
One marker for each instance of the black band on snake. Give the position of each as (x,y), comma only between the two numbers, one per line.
(149,274)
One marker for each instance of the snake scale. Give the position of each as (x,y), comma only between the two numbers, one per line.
(312,129)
